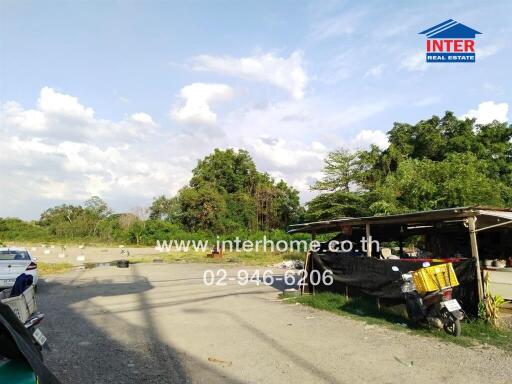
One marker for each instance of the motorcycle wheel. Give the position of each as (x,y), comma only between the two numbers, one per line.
(453,328)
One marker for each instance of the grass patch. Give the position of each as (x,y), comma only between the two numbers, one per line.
(245,258)
(476,332)
(53,268)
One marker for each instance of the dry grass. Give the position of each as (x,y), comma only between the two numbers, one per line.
(53,268)
(243,258)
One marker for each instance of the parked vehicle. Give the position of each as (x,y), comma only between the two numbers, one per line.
(21,342)
(24,308)
(20,360)
(14,262)
(436,307)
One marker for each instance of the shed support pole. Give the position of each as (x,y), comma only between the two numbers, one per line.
(368,240)
(312,287)
(474,253)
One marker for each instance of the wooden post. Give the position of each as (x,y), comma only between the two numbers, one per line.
(313,237)
(368,240)
(474,253)
(401,242)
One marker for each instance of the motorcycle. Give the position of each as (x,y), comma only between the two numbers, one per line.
(438,308)
(21,342)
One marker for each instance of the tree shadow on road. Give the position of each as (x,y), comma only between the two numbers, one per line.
(119,351)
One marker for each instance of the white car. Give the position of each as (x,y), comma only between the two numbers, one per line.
(14,262)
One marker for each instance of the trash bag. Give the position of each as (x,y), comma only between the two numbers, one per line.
(22,282)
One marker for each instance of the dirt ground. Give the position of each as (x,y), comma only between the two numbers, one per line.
(159,323)
(78,255)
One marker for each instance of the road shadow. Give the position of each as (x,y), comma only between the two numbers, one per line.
(119,351)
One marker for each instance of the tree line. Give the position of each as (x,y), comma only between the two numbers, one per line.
(226,196)
(436,163)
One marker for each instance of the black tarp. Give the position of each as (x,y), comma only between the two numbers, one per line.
(361,275)
(14,331)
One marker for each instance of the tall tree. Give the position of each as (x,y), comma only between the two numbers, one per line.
(436,163)
(164,208)
(98,207)
(341,169)
(227,171)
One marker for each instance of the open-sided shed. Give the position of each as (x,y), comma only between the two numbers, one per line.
(462,232)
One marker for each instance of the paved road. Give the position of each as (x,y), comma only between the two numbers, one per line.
(156,323)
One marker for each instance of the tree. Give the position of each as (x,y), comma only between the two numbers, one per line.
(202,208)
(341,169)
(287,205)
(337,204)
(137,223)
(436,163)
(95,211)
(459,180)
(240,212)
(164,208)
(66,221)
(98,207)
(227,171)
(227,193)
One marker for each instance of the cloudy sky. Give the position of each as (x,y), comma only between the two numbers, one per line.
(121,98)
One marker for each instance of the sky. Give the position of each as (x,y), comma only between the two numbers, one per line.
(120,99)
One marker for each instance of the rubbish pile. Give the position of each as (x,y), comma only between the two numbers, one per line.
(290,264)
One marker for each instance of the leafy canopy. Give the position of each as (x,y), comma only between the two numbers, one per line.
(433,164)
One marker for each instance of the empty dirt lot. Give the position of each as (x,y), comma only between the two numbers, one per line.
(159,323)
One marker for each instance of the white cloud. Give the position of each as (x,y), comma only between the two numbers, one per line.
(30,120)
(59,152)
(375,71)
(61,117)
(340,25)
(487,112)
(426,101)
(52,102)
(286,73)
(365,138)
(195,103)
(288,140)
(486,51)
(414,62)
(142,118)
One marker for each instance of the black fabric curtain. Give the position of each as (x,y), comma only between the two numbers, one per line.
(361,275)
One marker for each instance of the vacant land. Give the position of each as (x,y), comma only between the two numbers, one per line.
(77,256)
(159,323)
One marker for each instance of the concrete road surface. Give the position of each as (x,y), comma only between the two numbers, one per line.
(159,323)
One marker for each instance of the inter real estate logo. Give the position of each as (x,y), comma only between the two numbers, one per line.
(450,42)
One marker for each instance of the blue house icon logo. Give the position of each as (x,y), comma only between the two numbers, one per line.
(450,42)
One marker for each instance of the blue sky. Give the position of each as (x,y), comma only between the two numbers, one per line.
(120,98)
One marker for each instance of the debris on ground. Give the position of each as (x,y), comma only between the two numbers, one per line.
(223,363)
(291,292)
(410,365)
(290,264)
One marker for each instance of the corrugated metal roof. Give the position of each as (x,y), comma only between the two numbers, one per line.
(440,215)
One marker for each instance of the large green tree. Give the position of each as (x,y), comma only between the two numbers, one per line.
(164,208)
(227,171)
(202,208)
(436,163)
(227,193)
